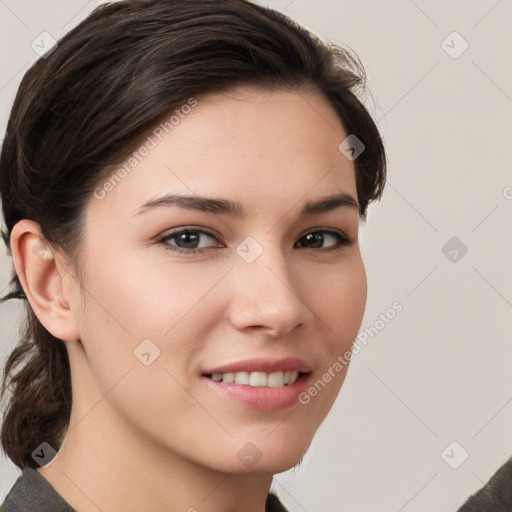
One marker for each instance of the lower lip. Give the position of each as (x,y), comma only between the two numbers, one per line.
(259,397)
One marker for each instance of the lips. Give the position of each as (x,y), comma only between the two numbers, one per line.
(271,385)
(262,365)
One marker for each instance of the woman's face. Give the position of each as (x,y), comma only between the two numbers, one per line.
(268,287)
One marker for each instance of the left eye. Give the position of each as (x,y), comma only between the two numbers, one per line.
(186,240)
(319,236)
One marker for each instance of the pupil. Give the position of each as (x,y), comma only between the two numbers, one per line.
(312,236)
(185,237)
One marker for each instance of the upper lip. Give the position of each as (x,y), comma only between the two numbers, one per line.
(263,365)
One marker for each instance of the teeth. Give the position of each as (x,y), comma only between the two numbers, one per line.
(275,379)
(293,377)
(258,379)
(228,377)
(242,378)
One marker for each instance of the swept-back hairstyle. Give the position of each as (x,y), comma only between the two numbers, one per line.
(80,111)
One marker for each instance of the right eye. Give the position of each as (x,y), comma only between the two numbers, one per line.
(184,238)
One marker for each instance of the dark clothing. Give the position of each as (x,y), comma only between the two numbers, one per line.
(33,493)
(495,495)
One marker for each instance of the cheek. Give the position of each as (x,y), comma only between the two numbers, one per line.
(342,301)
(133,317)
(339,304)
(176,305)
(139,296)
(129,302)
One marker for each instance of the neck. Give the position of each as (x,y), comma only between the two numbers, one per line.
(117,472)
(106,465)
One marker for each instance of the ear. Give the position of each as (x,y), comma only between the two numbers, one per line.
(44,280)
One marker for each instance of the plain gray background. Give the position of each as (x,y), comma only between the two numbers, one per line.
(434,385)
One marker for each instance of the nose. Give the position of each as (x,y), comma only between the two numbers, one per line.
(267,297)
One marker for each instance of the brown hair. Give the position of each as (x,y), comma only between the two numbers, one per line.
(81,109)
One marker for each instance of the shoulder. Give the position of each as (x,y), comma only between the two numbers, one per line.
(31,493)
(495,495)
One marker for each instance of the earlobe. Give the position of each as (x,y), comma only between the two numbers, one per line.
(42,282)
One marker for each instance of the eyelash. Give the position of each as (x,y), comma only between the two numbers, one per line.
(343,240)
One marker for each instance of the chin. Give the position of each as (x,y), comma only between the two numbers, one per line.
(280,466)
(272,465)
(259,456)
(280,456)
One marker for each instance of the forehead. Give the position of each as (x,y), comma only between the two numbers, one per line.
(261,147)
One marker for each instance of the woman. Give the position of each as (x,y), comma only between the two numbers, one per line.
(182,184)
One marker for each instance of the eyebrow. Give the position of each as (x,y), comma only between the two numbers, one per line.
(236,209)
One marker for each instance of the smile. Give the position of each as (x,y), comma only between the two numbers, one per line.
(258,379)
(260,383)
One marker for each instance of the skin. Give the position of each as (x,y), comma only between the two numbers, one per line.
(157,437)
